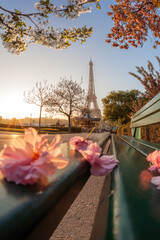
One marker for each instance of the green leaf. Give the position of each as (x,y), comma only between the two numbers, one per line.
(17,11)
(98,6)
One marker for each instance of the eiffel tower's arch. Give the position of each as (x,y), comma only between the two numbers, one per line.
(91,102)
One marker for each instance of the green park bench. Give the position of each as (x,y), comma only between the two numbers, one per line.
(133,212)
(125,211)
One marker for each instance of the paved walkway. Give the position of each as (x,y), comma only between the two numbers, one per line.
(78,222)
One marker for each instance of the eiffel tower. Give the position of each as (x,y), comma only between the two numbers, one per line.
(91,103)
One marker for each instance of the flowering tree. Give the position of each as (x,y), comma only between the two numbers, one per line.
(19,29)
(67,98)
(133,20)
(150,80)
(38,96)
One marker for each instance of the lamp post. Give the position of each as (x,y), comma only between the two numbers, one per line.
(30,120)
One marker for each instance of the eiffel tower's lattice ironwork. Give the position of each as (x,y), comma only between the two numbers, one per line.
(91,103)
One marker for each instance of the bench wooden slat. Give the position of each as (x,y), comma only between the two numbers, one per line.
(134,205)
(149,114)
(148,105)
(148,120)
(119,222)
(153,146)
(143,147)
(141,203)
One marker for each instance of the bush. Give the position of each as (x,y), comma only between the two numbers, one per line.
(151,133)
(61,129)
(49,130)
(75,129)
(11,129)
(124,130)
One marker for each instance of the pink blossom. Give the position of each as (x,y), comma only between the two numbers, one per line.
(154,158)
(91,152)
(31,158)
(156,181)
(103,165)
(79,143)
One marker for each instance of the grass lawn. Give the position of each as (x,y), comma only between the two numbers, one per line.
(43,130)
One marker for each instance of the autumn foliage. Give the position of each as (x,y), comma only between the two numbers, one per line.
(150,79)
(134,21)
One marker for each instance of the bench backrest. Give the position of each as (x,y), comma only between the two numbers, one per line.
(147,115)
(133,212)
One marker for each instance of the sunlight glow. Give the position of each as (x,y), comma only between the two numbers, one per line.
(13,106)
(15,136)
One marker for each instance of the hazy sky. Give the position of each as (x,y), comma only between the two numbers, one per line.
(110,65)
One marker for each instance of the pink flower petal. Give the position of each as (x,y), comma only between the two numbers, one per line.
(93,151)
(103,165)
(79,143)
(31,158)
(152,167)
(154,158)
(156,181)
(54,147)
(12,153)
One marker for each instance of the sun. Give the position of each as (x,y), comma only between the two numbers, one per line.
(13,106)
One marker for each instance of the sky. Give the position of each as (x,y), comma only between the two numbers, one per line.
(110,65)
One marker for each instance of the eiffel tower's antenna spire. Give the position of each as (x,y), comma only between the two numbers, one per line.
(92,104)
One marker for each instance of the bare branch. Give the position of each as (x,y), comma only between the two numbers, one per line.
(68,98)
(38,96)
(150,79)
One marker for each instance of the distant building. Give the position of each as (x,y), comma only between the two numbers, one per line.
(88,121)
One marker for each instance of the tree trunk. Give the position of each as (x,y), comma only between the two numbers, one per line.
(69,123)
(40,119)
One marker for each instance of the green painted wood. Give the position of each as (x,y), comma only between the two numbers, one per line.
(148,120)
(152,108)
(119,223)
(148,105)
(134,208)
(145,146)
(133,132)
(149,114)
(33,212)
(131,204)
(137,133)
